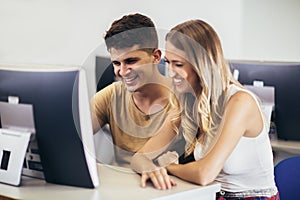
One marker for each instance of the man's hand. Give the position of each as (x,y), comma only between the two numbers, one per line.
(159,177)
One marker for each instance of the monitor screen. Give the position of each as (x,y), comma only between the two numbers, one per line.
(62,120)
(285,77)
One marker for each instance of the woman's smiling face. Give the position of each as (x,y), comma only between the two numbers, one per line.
(185,79)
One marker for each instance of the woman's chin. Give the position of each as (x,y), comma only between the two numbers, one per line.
(180,89)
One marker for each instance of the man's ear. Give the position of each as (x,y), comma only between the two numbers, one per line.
(156,56)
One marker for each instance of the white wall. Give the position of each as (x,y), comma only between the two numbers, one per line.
(271,30)
(67,31)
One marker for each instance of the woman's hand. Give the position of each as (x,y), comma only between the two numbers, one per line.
(159,177)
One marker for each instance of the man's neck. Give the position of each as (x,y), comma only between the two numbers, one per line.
(151,98)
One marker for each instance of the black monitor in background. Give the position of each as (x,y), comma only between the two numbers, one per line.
(104,72)
(62,120)
(285,77)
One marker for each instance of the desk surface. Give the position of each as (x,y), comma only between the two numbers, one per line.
(292,147)
(115,183)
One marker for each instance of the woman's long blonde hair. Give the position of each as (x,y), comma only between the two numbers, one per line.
(202,112)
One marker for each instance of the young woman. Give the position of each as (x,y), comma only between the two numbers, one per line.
(225,130)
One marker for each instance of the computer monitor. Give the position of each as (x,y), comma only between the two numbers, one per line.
(62,119)
(285,77)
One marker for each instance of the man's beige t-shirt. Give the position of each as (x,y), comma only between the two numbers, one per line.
(130,128)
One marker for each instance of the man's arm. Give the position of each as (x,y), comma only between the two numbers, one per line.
(99,105)
(97,123)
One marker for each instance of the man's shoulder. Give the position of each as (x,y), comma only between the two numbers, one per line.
(115,91)
(119,88)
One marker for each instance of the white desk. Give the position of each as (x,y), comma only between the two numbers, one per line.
(115,183)
(286,146)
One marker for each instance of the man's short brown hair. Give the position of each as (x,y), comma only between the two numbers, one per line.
(130,30)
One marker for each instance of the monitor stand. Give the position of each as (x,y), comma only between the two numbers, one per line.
(13,145)
(18,146)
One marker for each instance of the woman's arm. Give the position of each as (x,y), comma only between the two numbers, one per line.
(241,118)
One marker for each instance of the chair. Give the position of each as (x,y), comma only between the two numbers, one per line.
(287,178)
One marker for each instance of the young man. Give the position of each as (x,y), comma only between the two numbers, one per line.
(136,106)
